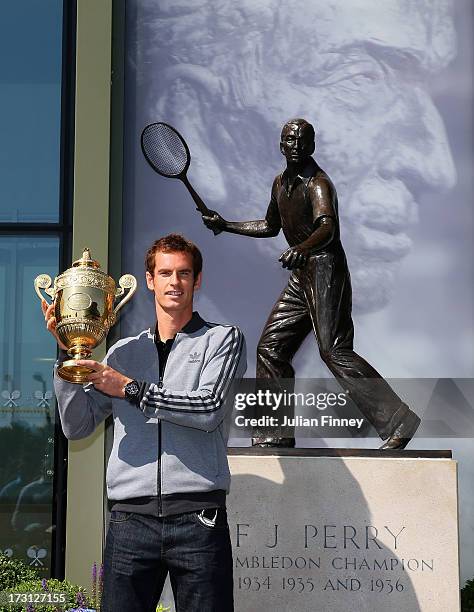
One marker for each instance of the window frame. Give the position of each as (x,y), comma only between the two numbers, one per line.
(63,231)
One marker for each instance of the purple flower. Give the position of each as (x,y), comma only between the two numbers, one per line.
(100,588)
(94,582)
(80,599)
(44,584)
(30,608)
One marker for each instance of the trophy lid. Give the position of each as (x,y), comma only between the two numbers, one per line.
(86,261)
(85,272)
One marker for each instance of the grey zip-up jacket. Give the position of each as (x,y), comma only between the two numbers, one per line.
(175,441)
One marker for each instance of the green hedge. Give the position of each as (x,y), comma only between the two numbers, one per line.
(53,586)
(13,571)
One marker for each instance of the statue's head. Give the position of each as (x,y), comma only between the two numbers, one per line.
(297,140)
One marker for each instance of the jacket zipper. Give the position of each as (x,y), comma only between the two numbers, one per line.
(159,475)
(159,462)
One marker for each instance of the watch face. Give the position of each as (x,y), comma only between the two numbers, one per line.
(132,389)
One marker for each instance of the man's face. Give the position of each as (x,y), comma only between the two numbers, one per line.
(296,143)
(173,281)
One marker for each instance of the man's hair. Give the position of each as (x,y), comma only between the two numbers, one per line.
(300,123)
(173,243)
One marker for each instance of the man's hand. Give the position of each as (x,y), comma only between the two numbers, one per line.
(294,257)
(48,312)
(214,221)
(104,378)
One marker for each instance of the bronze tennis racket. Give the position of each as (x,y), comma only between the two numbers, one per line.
(168,154)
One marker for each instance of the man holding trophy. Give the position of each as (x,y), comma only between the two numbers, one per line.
(167,475)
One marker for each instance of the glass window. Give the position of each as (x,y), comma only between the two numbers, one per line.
(30,110)
(33,43)
(27,414)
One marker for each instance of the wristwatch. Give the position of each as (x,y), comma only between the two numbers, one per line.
(132,391)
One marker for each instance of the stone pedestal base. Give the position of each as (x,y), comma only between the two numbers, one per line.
(370,532)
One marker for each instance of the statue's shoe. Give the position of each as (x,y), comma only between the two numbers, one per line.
(403,433)
(269,442)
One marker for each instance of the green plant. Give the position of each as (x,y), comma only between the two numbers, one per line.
(467,597)
(74,594)
(13,571)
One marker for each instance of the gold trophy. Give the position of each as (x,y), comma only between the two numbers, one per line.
(84,309)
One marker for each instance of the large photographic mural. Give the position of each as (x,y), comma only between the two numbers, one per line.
(389,89)
(382,85)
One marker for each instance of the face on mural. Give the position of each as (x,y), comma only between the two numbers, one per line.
(233,74)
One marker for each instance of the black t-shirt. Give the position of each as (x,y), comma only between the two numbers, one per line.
(296,207)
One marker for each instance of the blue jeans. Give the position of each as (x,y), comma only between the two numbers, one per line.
(194,548)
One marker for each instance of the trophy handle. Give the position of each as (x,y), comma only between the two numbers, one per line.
(127,281)
(43,281)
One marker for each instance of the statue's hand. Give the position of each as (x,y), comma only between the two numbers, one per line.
(294,257)
(214,221)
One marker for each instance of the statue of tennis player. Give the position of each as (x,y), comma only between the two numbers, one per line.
(318,294)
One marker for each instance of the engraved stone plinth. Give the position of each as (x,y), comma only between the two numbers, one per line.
(366,531)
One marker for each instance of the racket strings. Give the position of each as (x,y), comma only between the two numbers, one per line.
(164,149)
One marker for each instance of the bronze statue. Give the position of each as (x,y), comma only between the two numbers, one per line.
(318,294)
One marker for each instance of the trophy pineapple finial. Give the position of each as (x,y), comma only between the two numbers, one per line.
(86,260)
